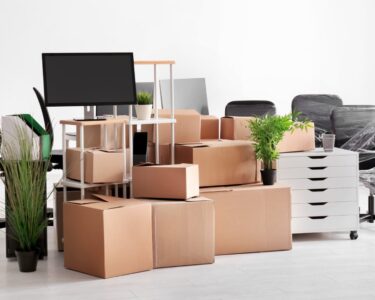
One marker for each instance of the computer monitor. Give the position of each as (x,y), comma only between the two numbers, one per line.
(188,93)
(87,79)
(124,109)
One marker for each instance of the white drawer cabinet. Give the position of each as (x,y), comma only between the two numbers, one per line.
(324,190)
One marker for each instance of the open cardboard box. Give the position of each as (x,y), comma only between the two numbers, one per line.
(221,162)
(251,218)
(178,181)
(107,237)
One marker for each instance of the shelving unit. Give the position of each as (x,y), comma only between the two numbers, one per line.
(131,121)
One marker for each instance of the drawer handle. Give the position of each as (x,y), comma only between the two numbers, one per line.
(318,179)
(317,190)
(317,157)
(317,168)
(318,203)
(318,218)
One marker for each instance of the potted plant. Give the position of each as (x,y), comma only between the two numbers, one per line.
(267,132)
(24,178)
(144,106)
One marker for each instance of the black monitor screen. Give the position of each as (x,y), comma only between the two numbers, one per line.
(85,79)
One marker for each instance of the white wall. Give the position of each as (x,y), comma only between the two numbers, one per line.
(265,49)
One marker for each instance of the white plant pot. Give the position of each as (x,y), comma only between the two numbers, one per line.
(143,111)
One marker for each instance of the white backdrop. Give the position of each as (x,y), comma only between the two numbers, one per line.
(265,49)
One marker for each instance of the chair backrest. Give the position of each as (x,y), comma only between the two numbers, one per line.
(46,117)
(189,93)
(250,108)
(317,108)
(347,121)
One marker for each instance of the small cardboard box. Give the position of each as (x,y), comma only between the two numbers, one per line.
(221,162)
(180,181)
(183,232)
(209,128)
(72,194)
(235,128)
(164,153)
(187,127)
(298,140)
(107,239)
(100,166)
(251,218)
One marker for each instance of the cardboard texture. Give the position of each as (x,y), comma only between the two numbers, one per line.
(251,218)
(183,232)
(187,127)
(298,140)
(164,153)
(221,162)
(235,128)
(100,166)
(107,239)
(209,127)
(179,181)
(72,194)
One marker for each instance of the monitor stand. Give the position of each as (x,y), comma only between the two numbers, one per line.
(89,112)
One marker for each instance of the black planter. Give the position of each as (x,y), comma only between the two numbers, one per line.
(27,260)
(268,176)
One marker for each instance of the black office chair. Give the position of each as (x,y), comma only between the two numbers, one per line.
(249,108)
(317,108)
(354,127)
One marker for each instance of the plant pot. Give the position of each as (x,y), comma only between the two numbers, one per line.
(143,111)
(328,141)
(268,176)
(27,260)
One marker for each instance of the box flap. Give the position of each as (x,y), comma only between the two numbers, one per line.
(84,201)
(106,198)
(199,198)
(194,145)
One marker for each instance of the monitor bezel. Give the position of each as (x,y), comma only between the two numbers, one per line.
(44,55)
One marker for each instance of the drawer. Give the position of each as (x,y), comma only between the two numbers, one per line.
(324,209)
(327,224)
(317,161)
(320,183)
(314,172)
(325,195)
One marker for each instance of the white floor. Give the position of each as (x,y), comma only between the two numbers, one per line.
(320,266)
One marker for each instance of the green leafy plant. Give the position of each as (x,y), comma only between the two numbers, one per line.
(25,183)
(268,131)
(144,98)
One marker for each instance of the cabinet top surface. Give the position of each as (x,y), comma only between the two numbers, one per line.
(319,152)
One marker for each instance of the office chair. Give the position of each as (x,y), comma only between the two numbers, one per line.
(354,126)
(250,108)
(317,108)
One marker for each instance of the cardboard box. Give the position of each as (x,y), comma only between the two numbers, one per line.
(107,239)
(209,128)
(164,153)
(251,218)
(235,128)
(100,166)
(180,181)
(187,127)
(183,232)
(221,162)
(298,140)
(72,194)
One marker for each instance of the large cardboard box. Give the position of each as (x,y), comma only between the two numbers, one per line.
(235,128)
(72,194)
(298,140)
(107,239)
(251,218)
(164,153)
(221,162)
(179,181)
(183,232)
(187,127)
(209,128)
(100,166)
